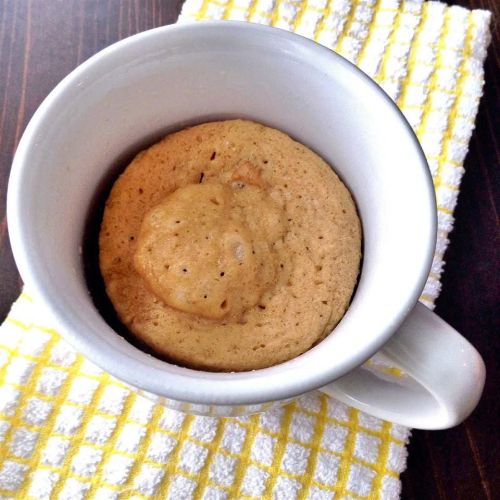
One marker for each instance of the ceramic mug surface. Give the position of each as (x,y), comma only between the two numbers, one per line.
(164,79)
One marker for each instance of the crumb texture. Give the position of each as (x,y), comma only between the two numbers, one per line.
(228,246)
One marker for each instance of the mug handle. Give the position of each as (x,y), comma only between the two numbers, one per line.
(443,380)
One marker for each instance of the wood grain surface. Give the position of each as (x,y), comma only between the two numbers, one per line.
(41,41)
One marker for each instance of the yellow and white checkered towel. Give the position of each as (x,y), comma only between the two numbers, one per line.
(68,430)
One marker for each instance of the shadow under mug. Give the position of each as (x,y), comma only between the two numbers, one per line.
(164,79)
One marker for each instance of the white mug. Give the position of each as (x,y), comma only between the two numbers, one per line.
(164,79)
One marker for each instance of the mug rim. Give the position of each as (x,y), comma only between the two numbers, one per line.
(230,384)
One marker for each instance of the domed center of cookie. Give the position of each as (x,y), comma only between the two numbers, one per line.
(212,249)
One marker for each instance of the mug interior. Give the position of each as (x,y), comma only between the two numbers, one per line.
(164,79)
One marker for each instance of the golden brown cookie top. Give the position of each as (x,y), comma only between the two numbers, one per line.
(276,197)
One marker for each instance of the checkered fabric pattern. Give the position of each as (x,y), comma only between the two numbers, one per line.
(69,430)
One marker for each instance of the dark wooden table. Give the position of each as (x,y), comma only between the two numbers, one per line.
(43,40)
